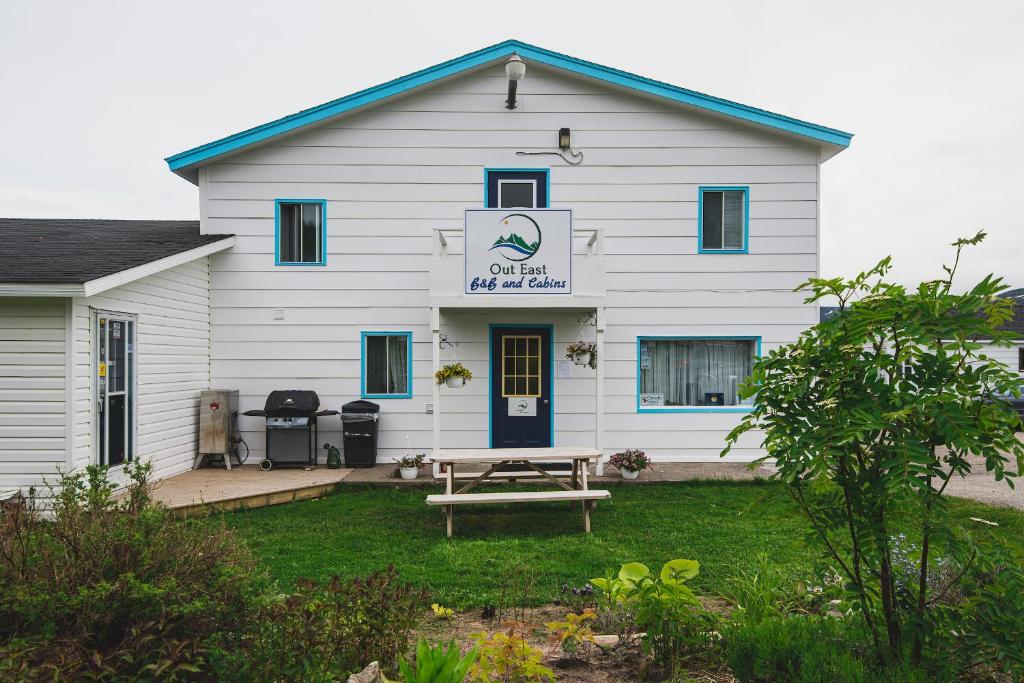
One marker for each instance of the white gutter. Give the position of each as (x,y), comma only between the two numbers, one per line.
(93,287)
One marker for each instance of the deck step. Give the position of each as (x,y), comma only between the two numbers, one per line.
(517,497)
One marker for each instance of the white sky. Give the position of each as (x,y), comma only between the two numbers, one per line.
(94,95)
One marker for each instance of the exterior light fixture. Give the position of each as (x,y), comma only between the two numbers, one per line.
(515,69)
(564,141)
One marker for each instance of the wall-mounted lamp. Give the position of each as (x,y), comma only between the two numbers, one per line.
(564,140)
(515,69)
(568,154)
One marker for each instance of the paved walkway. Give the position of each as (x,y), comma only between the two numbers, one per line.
(979,485)
(662,471)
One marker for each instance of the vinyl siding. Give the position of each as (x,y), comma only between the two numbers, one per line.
(173,359)
(393,173)
(33,419)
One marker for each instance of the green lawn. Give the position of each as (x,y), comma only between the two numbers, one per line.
(720,524)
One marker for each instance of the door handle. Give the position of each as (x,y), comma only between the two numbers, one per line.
(545,401)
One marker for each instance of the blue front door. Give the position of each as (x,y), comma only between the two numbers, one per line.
(521,387)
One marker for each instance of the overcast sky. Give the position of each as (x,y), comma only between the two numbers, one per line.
(93,96)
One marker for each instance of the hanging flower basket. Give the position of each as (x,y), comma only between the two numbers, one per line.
(454,375)
(582,353)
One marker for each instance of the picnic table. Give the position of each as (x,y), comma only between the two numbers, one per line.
(499,460)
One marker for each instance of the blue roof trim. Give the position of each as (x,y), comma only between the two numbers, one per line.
(198,155)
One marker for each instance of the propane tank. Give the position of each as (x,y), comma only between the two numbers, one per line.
(333,457)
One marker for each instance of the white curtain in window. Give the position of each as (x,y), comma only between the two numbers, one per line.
(397,364)
(694,372)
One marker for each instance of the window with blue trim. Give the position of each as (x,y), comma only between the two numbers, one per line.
(301,232)
(387,365)
(723,220)
(516,188)
(694,373)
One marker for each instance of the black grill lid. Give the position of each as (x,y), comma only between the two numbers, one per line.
(292,402)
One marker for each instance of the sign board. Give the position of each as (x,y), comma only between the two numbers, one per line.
(522,406)
(564,369)
(652,400)
(518,251)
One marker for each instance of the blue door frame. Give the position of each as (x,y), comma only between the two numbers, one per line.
(548,380)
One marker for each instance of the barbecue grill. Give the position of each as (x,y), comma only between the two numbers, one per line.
(291,427)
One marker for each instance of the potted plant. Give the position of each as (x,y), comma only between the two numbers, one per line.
(409,465)
(582,353)
(629,462)
(454,375)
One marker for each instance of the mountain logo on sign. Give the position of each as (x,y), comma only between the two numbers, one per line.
(515,247)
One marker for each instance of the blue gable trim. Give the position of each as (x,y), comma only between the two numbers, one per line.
(196,156)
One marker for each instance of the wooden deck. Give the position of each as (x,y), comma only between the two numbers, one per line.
(244,487)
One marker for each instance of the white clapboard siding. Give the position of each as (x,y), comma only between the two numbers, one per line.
(393,173)
(33,413)
(173,360)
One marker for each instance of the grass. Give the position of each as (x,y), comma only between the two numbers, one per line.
(723,525)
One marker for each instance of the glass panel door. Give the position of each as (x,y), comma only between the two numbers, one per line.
(115,377)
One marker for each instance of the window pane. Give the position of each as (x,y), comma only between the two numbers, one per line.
(376,364)
(711,221)
(695,372)
(300,231)
(290,233)
(734,219)
(310,233)
(520,386)
(510,386)
(516,194)
(534,386)
(398,365)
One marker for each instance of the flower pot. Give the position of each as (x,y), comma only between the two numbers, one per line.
(456,382)
(408,472)
(582,359)
(630,474)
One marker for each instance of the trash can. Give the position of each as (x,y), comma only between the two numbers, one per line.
(359,438)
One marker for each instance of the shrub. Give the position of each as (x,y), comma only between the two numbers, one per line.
(677,626)
(806,649)
(437,664)
(632,459)
(573,635)
(326,629)
(506,657)
(870,414)
(115,589)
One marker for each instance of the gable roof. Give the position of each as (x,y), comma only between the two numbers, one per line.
(82,257)
(185,163)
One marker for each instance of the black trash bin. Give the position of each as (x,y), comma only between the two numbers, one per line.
(359,421)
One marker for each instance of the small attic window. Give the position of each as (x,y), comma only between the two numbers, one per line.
(301,232)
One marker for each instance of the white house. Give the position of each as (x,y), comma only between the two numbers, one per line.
(346,249)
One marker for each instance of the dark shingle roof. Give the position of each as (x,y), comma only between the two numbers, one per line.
(77,250)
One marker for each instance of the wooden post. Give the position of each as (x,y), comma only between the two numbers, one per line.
(435,356)
(586,516)
(599,315)
(449,510)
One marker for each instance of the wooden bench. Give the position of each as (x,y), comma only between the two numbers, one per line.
(588,496)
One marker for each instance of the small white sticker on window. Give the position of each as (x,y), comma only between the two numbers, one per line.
(652,400)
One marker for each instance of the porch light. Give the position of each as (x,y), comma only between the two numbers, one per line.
(564,141)
(515,70)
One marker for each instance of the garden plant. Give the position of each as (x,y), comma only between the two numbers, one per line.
(868,416)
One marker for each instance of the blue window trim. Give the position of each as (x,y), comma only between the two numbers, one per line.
(490,368)
(277,232)
(185,163)
(362,362)
(700,218)
(695,409)
(547,181)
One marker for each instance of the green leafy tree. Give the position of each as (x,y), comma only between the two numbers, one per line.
(870,415)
